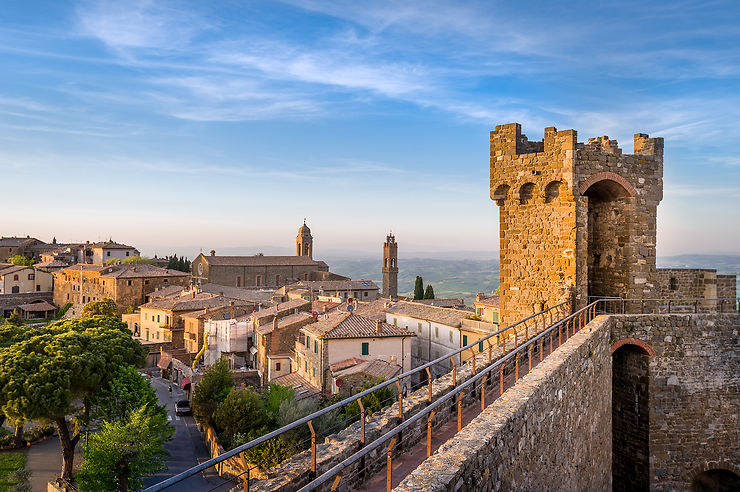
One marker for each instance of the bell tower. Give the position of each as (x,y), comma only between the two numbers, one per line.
(304,241)
(390,267)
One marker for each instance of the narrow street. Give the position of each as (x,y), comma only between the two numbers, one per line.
(186,449)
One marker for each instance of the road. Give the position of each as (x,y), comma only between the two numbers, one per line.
(186,449)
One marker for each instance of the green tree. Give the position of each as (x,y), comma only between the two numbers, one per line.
(211,390)
(13,320)
(274,397)
(20,260)
(139,260)
(127,391)
(419,288)
(373,402)
(103,307)
(44,371)
(242,411)
(172,263)
(122,453)
(429,292)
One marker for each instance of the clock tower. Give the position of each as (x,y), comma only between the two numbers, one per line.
(304,241)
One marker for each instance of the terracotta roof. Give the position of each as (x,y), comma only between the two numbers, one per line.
(51,264)
(452,302)
(111,245)
(303,389)
(218,312)
(493,300)
(338,366)
(283,306)
(15,241)
(169,291)
(142,270)
(37,307)
(187,303)
(374,309)
(262,260)
(13,269)
(335,284)
(254,295)
(285,321)
(375,368)
(445,316)
(344,325)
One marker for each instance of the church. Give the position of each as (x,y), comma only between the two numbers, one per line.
(261,270)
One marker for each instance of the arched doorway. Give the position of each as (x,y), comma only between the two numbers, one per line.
(716,480)
(630,417)
(610,217)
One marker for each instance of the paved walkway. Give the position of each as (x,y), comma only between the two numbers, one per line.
(45,462)
(411,458)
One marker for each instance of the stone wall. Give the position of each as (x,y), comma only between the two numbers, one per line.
(552,430)
(727,287)
(575,219)
(686,283)
(694,388)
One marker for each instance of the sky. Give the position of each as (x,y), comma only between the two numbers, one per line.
(181,126)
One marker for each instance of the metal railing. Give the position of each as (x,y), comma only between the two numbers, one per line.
(619,305)
(553,313)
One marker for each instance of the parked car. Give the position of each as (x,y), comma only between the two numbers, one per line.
(182,407)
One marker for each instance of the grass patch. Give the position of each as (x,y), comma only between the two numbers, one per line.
(10,461)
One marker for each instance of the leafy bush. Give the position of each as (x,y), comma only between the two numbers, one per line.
(211,390)
(63,310)
(241,412)
(103,307)
(373,402)
(38,432)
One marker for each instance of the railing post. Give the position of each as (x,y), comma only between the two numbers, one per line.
(516,370)
(550,341)
(335,485)
(526,331)
(246,481)
(542,341)
(454,371)
(529,356)
(490,352)
(459,412)
(388,485)
(473,352)
(501,377)
(516,338)
(696,306)
(560,333)
(400,400)
(503,349)
(313,449)
(362,422)
(429,378)
(429,434)
(669,306)
(482,394)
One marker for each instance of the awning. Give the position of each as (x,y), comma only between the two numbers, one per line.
(164,361)
(185,383)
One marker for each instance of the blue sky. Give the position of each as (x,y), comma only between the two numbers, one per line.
(179,126)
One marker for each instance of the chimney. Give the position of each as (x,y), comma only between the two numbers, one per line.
(232,311)
(378,327)
(220,292)
(275,323)
(213,252)
(205,312)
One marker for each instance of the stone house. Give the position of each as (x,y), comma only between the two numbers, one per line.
(194,322)
(127,285)
(330,290)
(338,336)
(17,279)
(275,342)
(111,250)
(11,246)
(487,308)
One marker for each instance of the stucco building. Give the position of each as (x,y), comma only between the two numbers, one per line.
(18,279)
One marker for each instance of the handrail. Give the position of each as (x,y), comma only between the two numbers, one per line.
(303,421)
(335,470)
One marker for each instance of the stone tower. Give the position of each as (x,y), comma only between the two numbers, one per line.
(304,241)
(577,220)
(390,267)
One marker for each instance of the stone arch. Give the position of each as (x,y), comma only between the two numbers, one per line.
(552,190)
(526,192)
(646,349)
(607,185)
(501,193)
(715,479)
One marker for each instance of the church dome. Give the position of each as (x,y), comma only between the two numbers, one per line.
(304,230)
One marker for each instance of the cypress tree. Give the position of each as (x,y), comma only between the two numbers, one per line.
(419,289)
(429,293)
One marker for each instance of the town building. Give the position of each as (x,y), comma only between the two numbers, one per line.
(339,336)
(487,308)
(16,279)
(110,250)
(127,285)
(330,290)
(275,342)
(194,322)
(230,339)
(12,246)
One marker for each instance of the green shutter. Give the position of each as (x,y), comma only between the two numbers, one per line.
(365,348)
(465,340)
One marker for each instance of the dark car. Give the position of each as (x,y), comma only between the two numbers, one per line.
(182,407)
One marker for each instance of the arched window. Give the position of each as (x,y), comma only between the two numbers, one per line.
(526,192)
(500,194)
(552,191)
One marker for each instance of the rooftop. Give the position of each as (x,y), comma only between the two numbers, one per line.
(335,284)
(283,306)
(303,389)
(262,260)
(445,316)
(343,325)
(110,245)
(190,303)
(15,241)
(142,270)
(376,368)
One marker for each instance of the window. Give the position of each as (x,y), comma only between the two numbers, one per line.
(238,281)
(146,316)
(436,331)
(277,279)
(316,346)
(495,316)
(674,283)
(364,294)
(147,335)
(107,253)
(419,326)
(465,340)
(127,253)
(450,336)
(395,321)
(308,341)
(167,320)
(146,282)
(15,289)
(15,277)
(365,348)
(314,373)
(306,365)
(480,346)
(68,297)
(479,311)
(157,318)
(31,276)
(277,366)
(128,282)
(157,335)
(38,288)
(258,280)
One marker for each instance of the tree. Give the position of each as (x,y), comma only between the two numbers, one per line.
(429,292)
(211,390)
(373,402)
(13,320)
(44,371)
(122,453)
(241,412)
(20,260)
(127,391)
(103,307)
(419,289)
(54,240)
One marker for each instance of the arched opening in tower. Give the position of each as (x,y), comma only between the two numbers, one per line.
(716,480)
(630,419)
(610,223)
